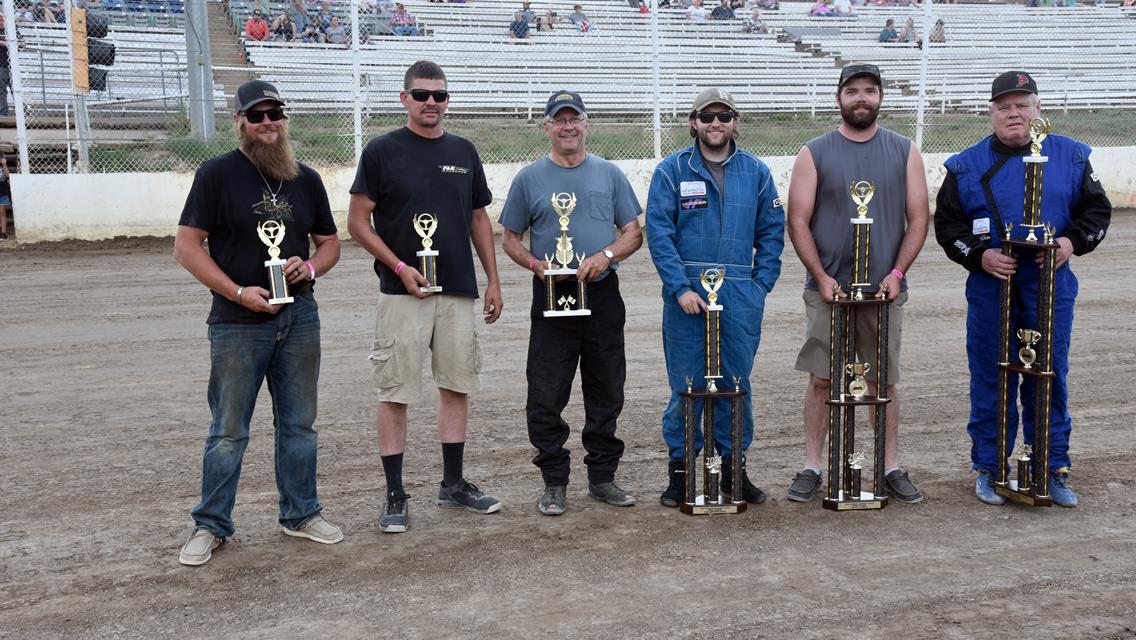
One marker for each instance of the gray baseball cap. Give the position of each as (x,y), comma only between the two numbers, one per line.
(711,96)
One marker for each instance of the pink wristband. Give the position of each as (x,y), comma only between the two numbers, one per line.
(398,267)
(897,273)
(311,270)
(533,263)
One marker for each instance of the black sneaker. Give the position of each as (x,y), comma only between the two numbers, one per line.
(466,495)
(554,501)
(750,492)
(675,492)
(804,487)
(395,518)
(610,493)
(900,487)
(3,237)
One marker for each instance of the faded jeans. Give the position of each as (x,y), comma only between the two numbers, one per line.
(286,351)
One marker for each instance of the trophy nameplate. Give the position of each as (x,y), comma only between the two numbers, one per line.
(566,304)
(271,233)
(425,224)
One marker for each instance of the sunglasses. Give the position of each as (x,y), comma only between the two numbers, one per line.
(725,117)
(420,95)
(274,114)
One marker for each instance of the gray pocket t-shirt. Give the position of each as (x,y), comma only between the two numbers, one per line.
(603,199)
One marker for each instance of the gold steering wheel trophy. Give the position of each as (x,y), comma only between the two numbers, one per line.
(271,233)
(566,304)
(1035,353)
(848,364)
(709,499)
(425,224)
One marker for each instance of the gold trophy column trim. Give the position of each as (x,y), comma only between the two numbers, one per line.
(564,203)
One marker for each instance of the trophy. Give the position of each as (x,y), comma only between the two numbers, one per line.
(425,224)
(848,387)
(566,304)
(271,232)
(711,500)
(1032,485)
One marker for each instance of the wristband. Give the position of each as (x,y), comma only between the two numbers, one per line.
(311,270)
(533,263)
(240,290)
(897,273)
(398,267)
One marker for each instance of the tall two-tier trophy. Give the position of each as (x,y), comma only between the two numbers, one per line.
(271,233)
(847,375)
(1035,356)
(425,224)
(567,303)
(711,500)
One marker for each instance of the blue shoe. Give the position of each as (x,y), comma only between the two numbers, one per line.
(984,489)
(1059,489)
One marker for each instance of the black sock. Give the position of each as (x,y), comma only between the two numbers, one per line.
(392,468)
(452,455)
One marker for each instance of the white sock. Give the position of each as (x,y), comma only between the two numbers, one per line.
(813,469)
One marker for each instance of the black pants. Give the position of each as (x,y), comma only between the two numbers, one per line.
(556,345)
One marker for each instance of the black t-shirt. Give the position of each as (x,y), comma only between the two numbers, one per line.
(228,199)
(5,185)
(405,175)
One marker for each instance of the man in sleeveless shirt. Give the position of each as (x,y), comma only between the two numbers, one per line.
(820,208)
(981,193)
(713,204)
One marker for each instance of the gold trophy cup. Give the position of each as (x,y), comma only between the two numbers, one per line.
(565,305)
(425,224)
(271,233)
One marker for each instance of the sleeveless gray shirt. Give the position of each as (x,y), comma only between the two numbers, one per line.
(840,162)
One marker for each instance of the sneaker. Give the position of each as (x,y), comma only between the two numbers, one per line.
(396,515)
(675,492)
(3,237)
(984,489)
(610,493)
(466,495)
(804,487)
(750,492)
(199,548)
(1059,489)
(554,501)
(898,485)
(318,529)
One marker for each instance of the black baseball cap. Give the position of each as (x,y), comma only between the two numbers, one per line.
(561,99)
(1012,81)
(254,92)
(854,70)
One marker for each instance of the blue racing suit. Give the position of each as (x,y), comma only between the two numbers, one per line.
(983,193)
(692,226)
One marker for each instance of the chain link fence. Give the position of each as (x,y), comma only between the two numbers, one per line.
(636,71)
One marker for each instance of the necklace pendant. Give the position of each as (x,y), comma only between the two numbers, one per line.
(274,201)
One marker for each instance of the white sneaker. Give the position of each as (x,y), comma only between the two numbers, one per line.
(318,529)
(199,548)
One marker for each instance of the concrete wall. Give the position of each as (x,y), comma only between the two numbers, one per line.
(105,205)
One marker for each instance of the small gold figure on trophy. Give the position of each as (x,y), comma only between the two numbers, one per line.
(1039,131)
(858,386)
(856,467)
(271,233)
(1021,456)
(862,192)
(425,224)
(689,384)
(1027,354)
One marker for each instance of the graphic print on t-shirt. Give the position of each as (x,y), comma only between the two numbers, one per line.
(273,207)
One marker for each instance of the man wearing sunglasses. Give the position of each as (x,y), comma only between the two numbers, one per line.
(250,339)
(603,200)
(713,204)
(820,208)
(421,168)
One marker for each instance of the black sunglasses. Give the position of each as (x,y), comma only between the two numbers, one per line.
(420,95)
(274,114)
(725,117)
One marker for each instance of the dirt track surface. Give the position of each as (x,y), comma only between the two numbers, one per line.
(104,363)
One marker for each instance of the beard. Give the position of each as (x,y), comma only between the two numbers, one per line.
(704,138)
(859,121)
(274,160)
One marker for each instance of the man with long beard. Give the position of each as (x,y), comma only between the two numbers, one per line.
(820,208)
(236,200)
(713,204)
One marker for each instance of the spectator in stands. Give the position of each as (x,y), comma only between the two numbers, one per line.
(908,33)
(310,33)
(754,23)
(299,15)
(366,6)
(283,29)
(323,18)
(820,9)
(545,22)
(938,32)
(768,5)
(519,27)
(843,8)
(527,14)
(696,12)
(5,194)
(335,32)
(723,11)
(403,23)
(580,19)
(24,13)
(256,27)
(889,34)
(5,73)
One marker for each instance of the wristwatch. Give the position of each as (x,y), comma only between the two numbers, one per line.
(609,255)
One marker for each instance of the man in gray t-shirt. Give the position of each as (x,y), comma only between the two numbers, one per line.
(603,201)
(820,209)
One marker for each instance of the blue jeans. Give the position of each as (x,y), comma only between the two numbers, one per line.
(286,350)
(406,30)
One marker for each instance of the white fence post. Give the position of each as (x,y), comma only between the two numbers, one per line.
(656,117)
(356,79)
(16,81)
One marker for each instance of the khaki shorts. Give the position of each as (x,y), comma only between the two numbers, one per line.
(813,357)
(406,327)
